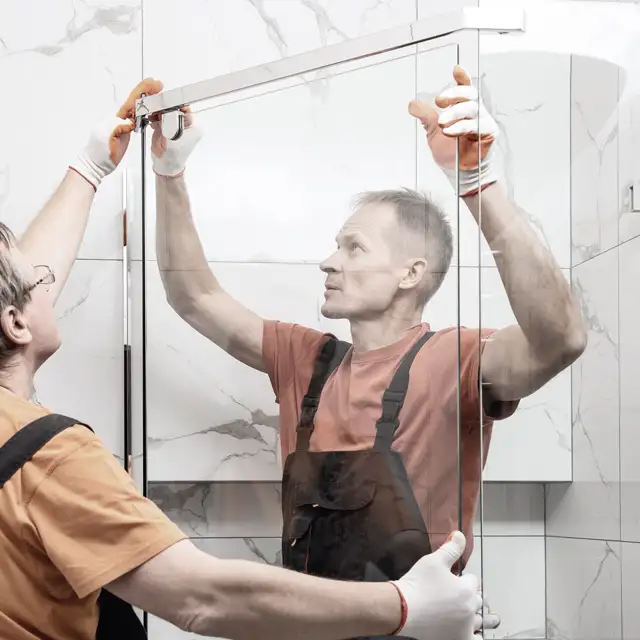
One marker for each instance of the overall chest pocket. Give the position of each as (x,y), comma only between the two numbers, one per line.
(325,526)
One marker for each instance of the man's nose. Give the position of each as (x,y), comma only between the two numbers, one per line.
(330,264)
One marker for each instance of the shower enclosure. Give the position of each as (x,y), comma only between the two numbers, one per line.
(286,147)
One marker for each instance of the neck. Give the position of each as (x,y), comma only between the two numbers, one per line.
(18,379)
(367,335)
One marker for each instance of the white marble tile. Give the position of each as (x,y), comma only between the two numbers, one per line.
(511,509)
(534,445)
(430,8)
(594,157)
(68,69)
(630,561)
(629,389)
(265,550)
(312,148)
(222,509)
(85,378)
(209,416)
(629,164)
(512,570)
(212,38)
(212,418)
(532,108)
(590,507)
(583,589)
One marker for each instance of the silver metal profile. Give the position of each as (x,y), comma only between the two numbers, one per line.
(497,20)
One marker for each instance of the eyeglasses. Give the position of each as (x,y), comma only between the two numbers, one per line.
(47,278)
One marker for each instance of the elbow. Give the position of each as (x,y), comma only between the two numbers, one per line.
(575,343)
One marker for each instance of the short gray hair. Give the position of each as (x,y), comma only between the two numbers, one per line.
(420,216)
(14,290)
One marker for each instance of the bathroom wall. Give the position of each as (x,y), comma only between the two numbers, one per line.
(64,64)
(211,418)
(592,533)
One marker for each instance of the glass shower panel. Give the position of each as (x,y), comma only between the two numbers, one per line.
(272,189)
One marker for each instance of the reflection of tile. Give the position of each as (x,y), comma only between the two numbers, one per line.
(594,157)
(590,507)
(69,40)
(629,387)
(221,509)
(583,589)
(85,378)
(265,550)
(512,572)
(224,37)
(511,509)
(534,445)
(209,416)
(319,145)
(630,562)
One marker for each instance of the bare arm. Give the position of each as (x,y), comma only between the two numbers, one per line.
(191,287)
(53,238)
(550,334)
(246,600)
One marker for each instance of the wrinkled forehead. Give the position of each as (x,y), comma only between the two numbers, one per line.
(373,221)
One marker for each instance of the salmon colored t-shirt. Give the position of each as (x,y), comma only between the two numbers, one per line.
(71,521)
(427,438)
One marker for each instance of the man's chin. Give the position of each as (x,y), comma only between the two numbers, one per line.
(332,312)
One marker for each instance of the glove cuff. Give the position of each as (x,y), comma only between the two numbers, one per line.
(404,610)
(472,181)
(90,171)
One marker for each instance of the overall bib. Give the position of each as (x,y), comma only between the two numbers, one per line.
(118,620)
(351,515)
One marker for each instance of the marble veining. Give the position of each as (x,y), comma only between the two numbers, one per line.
(119,20)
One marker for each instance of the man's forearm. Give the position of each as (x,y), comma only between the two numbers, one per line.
(539,294)
(258,601)
(241,600)
(181,259)
(54,237)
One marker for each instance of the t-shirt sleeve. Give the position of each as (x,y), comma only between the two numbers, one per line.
(472,344)
(94,524)
(289,350)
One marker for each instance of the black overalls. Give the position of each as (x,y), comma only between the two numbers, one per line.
(351,515)
(118,620)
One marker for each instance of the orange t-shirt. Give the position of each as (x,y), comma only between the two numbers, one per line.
(71,521)
(427,437)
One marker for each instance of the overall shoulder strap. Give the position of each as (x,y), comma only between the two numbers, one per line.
(24,444)
(394,395)
(327,361)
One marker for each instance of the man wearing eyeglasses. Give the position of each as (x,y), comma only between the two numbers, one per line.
(78,543)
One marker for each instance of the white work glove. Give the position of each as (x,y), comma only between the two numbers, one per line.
(169,157)
(439,604)
(105,149)
(465,118)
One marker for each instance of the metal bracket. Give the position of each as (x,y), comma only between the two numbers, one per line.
(172,125)
(635,196)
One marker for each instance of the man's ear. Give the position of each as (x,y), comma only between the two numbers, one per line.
(415,271)
(14,326)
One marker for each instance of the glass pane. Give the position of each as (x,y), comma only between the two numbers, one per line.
(272,186)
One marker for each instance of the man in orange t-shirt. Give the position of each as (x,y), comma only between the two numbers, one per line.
(371,432)
(78,543)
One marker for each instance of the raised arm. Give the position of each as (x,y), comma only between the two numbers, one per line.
(549,334)
(191,287)
(244,600)
(54,236)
